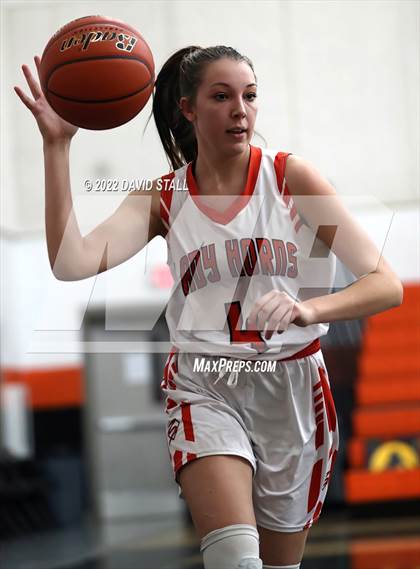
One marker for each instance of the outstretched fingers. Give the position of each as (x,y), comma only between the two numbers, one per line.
(33,84)
(27,101)
(37,60)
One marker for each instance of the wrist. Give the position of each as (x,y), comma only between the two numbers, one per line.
(57,143)
(310,312)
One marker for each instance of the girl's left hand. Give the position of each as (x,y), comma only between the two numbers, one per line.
(275,311)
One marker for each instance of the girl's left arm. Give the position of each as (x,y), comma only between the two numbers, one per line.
(377,287)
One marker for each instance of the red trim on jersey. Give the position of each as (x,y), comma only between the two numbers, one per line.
(298,225)
(187,421)
(280,169)
(286,195)
(241,201)
(170,369)
(165,199)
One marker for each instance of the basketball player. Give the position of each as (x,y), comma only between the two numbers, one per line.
(249,245)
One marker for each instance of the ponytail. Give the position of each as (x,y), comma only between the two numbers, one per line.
(180,77)
(175,131)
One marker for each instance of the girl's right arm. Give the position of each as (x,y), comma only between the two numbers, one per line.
(73,257)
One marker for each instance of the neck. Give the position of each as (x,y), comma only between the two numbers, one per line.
(221,171)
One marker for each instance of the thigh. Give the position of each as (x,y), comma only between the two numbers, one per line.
(218,491)
(281,548)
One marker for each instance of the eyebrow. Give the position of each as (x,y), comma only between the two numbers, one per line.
(227,84)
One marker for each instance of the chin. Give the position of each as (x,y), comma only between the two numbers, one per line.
(237,148)
(239,144)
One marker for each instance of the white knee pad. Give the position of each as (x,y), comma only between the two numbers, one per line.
(282,566)
(232,547)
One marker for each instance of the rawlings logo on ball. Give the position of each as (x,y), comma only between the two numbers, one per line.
(124,43)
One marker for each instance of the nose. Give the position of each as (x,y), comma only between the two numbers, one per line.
(238,109)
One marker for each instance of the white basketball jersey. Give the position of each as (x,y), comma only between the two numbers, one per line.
(224,258)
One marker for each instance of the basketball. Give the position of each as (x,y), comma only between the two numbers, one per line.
(97,72)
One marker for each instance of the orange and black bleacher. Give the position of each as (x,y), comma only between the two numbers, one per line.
(383,454)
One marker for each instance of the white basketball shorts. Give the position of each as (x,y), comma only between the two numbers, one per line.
(282,421)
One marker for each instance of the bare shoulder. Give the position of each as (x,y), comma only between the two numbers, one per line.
(304,179)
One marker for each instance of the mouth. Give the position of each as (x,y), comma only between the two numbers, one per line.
(238,132)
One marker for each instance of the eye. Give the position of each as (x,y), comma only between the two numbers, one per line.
(220,96)
(251,96)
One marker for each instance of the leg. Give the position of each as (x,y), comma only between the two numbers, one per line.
(282,548)
(216,487)
(293,474)
(218,491)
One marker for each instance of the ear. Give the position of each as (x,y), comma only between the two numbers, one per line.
(187,109)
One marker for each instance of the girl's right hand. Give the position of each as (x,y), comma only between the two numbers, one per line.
(53,128)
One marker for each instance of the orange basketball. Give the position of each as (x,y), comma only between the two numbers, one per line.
(97,72)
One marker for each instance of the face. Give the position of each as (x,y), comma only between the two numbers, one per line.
(226,100)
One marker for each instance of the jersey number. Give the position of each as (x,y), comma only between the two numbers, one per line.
(239,336)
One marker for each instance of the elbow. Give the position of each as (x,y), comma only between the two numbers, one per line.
(72,273)
(62,276)
(65,275)
(64,271)
(396,293)
(58,269)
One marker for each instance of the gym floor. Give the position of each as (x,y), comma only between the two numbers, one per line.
(337,541)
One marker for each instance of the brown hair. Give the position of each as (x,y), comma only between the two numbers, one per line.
(180,77)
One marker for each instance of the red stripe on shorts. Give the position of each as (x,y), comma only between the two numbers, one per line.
(170,404)
(177,460)
(319,436)
(316,386)
(187,422)
(329,402)
(317,512)
(315,487)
